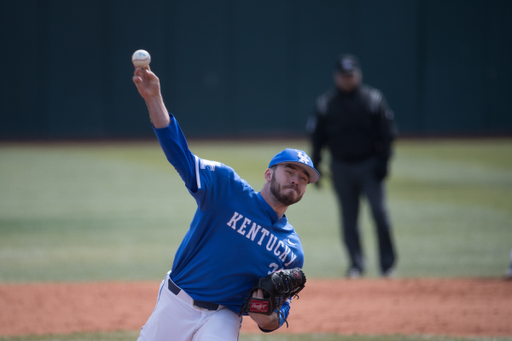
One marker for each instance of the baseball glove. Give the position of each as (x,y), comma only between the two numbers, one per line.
(277,288)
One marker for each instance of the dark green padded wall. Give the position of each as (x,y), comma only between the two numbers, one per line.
(245,68)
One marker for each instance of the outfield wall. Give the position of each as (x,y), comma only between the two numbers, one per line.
(251,68)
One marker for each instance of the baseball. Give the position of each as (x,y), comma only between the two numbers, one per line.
(141,58)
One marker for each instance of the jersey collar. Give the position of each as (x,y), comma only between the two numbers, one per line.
(270,211)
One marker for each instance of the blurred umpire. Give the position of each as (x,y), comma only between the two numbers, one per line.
(356,125)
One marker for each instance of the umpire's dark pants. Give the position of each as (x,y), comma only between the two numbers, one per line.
(351,181)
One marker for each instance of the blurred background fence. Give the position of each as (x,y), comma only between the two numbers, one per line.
(251,68)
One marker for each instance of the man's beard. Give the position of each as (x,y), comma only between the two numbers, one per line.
(285,199)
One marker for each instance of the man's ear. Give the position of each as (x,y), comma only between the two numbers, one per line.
(268,174)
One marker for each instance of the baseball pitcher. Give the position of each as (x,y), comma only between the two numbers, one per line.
(240,255)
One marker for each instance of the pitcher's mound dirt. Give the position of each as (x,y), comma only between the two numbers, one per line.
(401,306)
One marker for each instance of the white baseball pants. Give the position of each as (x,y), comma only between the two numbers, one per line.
(176,318)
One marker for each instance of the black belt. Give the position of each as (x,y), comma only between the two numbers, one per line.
(200,304)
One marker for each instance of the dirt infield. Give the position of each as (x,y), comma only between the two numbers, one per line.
(462,307)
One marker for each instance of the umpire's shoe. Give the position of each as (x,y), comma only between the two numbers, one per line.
(508,273)
(389,273)
(354,273)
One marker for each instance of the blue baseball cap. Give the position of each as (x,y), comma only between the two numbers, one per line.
(299,157)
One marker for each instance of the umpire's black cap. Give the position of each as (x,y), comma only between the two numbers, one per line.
(347,64)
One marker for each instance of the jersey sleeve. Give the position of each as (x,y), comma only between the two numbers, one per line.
(215,183)
(386,128)
(209,182)
(283,313)
(175,147)
(316,128)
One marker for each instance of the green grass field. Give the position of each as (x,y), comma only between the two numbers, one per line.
(95,212)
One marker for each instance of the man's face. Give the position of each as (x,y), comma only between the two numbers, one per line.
(348,82)
(288,183)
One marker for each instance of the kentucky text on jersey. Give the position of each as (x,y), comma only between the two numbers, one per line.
(278,247)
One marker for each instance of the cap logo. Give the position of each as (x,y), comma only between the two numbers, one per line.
(303,157)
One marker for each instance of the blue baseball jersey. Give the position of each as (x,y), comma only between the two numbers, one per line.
(235,236)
